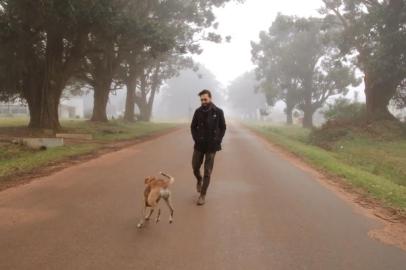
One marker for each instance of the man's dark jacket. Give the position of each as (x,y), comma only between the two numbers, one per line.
(208,128)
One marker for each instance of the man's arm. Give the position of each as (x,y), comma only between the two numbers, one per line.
(193,127)
(223,125)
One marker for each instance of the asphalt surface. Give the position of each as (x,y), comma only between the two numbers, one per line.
(262,212)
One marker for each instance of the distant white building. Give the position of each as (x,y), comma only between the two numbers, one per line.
(68,108)
(398,113)
(73,107)
(13,109)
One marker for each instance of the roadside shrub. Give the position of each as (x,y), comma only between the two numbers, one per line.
(343,109)
(338,129)
(342,116)
(327,135)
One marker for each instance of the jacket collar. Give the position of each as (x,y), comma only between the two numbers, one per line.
(212,106)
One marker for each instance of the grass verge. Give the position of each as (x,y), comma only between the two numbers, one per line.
(17,160)
(378,167)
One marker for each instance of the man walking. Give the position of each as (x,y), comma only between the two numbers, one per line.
(208,128)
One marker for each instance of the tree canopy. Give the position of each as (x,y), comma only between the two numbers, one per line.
(376,32)
(178,97)
(46,44)
(243,97)
(298,63)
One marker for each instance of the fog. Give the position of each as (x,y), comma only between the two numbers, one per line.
(244,22)
(228,70)
(228,61)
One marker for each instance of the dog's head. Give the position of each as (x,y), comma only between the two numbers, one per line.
(148,180)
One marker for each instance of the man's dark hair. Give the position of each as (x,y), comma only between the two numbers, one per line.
(204,92)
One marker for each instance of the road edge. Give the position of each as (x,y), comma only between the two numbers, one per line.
(27,177)
(393,231)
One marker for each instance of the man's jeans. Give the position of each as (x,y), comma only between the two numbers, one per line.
(197,162)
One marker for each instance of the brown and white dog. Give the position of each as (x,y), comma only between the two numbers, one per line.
(155,190)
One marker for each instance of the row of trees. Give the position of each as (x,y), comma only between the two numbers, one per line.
(304,61)
(243,99)
(49,45)
(177,101)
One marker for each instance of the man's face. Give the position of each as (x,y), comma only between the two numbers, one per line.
(205,99)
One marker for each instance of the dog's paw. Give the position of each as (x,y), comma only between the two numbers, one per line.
(140,225)
(170,221)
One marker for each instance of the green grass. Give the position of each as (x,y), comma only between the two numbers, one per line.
(13,121)
(114,130)
(376,166)
(27,160)
(385,159)
(16,159)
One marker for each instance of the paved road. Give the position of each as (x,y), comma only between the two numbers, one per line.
(262,213)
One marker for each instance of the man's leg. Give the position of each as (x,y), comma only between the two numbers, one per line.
(197,161)
(208,168)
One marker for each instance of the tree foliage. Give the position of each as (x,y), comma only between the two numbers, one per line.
(179,98)
(298,63)
(42,43)
(243,97)
(344,109)
(47,44)
(376,31)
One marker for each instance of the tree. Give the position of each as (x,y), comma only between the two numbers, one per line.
(152,78)
(104,54)
(178,98)
(376,31)
(274,56)
(130,32)
(143,73)
(180,26)
(299,63)
(243,97)
(44,42)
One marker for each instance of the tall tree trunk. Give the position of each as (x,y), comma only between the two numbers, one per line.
(129,114)
(43,89)
(148,89)
(378,95)
(308,107)
(130,99)
(308,118)
(146,104)
(101,98)
(34,107)
(44,111)
(103,73)
(289,114)
(145,112)
(145,107)
(142,100)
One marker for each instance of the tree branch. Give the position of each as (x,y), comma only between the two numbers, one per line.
(337,13)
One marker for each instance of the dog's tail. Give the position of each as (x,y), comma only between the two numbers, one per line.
(171,179)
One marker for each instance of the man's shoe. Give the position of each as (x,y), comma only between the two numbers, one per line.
(199,187)
(201,200)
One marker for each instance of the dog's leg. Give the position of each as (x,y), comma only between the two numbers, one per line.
(141,224)
(158,216)
(146,217)
(169,204)
(142,221)
(151,211)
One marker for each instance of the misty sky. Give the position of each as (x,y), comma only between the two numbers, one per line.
(244,22)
